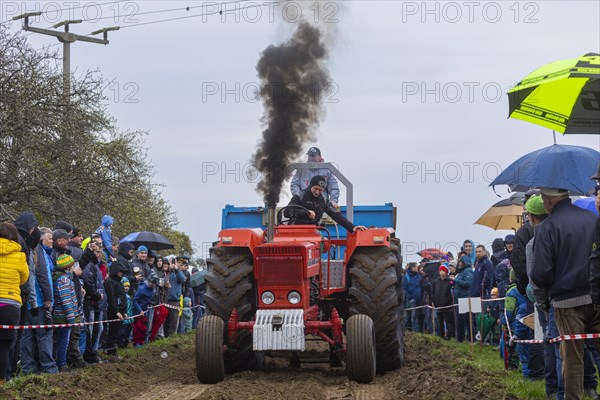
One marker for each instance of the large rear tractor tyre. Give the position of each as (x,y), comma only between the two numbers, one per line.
(210,366)
(395,242)
(360,349)
(374,292)
(230,284)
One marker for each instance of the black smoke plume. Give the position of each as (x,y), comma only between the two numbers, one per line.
(293,76)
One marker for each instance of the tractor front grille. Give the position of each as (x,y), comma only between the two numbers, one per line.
(279,250)
(280,271)
(278,330)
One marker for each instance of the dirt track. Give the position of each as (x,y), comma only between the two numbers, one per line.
(433,372)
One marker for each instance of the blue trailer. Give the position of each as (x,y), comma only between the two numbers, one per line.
(375,216)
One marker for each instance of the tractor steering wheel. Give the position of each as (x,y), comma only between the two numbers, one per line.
(292,219)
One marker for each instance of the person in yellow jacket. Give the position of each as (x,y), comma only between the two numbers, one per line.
(13,273)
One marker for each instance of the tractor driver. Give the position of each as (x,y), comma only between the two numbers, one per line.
(312,199)
(303,176)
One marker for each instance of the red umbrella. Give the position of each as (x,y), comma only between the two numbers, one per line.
(432,254)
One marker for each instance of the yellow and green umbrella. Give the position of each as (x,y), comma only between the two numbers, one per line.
(563,96)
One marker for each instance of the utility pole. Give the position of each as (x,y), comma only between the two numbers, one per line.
(66,38)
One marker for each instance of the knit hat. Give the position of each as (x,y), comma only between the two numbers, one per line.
(509,239)
(63,262)
(444,267)
(495,291)
(535,205)
(125,282)
(313,150)
(318,180)
(142,248)
(63,225)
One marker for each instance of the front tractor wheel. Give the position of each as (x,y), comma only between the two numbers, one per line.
(210,366)
(230,285)
(360,349)
(374,292)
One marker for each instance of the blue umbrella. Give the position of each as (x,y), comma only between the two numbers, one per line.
(587,203)
(557,166)
(153,241)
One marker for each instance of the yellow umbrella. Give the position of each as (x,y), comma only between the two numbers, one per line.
(502,216)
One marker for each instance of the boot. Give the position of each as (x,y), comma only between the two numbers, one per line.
(79,363)
(112,351)
(92,359)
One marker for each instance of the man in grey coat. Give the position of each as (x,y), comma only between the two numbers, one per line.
(302,177)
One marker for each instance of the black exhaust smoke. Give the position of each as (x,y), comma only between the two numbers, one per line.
(293,76)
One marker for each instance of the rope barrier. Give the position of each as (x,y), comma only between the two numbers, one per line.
(453,305)
(580,336)
(48,326)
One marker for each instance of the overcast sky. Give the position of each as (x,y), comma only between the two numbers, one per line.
(416,113)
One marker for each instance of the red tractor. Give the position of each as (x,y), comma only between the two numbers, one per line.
(269,289)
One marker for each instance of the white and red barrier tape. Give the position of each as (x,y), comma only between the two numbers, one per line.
(19,327)
(561,338)
(453,305)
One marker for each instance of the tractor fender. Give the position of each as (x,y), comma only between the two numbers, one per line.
(376,237)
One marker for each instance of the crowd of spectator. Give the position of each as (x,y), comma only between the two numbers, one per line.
(551,264)
(125,295)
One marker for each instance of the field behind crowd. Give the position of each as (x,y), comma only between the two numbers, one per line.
(435,369)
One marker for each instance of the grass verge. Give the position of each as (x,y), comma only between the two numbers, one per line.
(488,360)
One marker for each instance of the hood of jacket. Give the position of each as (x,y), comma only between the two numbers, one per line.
(25,222)
(8,247)
(124,249)
(107,220)
(497,245)
(117,267)
(472,255)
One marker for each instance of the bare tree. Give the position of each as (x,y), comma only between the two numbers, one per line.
(69,161)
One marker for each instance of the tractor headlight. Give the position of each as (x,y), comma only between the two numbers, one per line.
(267,297)
(294,297)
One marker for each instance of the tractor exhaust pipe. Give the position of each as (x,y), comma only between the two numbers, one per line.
(270,223)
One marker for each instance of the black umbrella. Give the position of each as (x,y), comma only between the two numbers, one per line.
(152,240)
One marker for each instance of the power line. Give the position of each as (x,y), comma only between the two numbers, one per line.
(188,8)
(170,10)
(255,5)
(71,8)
